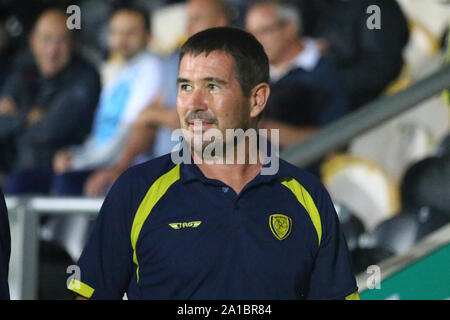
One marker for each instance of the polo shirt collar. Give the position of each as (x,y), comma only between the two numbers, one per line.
(307,60)
(190,171)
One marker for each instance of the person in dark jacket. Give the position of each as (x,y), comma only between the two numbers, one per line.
(5,249)
(366,38)
(46,104)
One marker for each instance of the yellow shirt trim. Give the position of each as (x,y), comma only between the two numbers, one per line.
(154,194)
(307,202)
(80,288)
(353,296)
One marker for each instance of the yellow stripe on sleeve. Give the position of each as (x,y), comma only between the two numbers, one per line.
(353,296)
(80,288)
(307,202)
(153,195)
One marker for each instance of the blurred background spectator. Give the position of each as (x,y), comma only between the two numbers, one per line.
(47,103)
(121,100)
(306,88)
(370,59)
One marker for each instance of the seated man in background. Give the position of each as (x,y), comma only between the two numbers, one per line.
(306,89)
(121,101)
(47,103)
(369,58)
(159,118)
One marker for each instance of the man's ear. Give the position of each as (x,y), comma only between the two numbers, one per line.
(258,99)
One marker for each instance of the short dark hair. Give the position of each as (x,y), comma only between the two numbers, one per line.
(136,9)
(251,62)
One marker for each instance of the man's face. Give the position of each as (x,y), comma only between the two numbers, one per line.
(127,34)
(202,15)
(209,92)
(51,43)
(263,23)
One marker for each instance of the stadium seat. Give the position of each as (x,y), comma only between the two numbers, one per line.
(365,257)
(402,232)
(168,25)
(404,139)
(443,148)
(362,186)
(427,183)
(395,236)
(402,82)
(351,225)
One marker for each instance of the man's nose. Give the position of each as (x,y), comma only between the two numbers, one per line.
(198,100)
(51,51)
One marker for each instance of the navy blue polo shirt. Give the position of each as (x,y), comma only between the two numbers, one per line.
(165,231)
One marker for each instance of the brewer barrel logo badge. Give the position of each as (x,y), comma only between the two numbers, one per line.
(280,225)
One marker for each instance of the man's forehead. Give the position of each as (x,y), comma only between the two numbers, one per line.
(127,18)
(51,22)
(215,61)
(202,7)
(261,14)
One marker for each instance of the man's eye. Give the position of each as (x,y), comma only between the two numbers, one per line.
(213,86)
(185,87)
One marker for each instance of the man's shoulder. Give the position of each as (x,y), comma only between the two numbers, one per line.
(313,186)
(308,180)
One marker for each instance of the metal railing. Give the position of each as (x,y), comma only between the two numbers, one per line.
(396,264)
(340,132)
(24,213)
(26,210)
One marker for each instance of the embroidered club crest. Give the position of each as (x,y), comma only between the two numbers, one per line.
(280,225)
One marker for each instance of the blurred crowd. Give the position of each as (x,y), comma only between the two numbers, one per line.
(79,106)
(77,109)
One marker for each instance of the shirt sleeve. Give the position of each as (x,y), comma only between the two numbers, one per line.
(106,266)
(332,276)
(146,84)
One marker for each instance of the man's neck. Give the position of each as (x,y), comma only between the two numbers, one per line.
(235,174)
(55,73)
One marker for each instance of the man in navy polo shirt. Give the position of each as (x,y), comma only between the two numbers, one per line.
(212,229)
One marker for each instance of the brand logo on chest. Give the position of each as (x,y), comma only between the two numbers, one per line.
(182,225)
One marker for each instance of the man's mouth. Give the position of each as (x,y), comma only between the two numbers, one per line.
(199,126)
(200,123)
(200,118)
